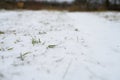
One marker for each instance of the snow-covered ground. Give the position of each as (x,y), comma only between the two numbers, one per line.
(54,45)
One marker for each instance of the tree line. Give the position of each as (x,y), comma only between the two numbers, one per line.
(99,4)
(75,5)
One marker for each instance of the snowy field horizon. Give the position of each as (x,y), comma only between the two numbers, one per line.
(59,45)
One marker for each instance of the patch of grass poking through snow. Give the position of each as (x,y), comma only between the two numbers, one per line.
(10,49)
(35,41)
(1,32)
(51,46)
(2,49)
(22,56)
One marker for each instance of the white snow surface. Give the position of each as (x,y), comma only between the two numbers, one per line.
(59,45)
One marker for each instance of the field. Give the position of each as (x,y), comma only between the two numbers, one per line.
(59,45)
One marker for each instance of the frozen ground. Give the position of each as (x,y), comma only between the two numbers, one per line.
(53,45)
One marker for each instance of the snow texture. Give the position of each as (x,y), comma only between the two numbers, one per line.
(59,45)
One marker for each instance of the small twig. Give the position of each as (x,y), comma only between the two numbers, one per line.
(67,69)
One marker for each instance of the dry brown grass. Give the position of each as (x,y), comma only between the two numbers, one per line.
(20,5)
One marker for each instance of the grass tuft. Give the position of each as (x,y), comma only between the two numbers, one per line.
(1,32)
(51,46)
(10,49)
(35,41)
(22,56)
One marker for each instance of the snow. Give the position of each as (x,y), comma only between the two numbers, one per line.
(59,45)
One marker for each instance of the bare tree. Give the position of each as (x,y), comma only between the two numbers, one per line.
(107,3)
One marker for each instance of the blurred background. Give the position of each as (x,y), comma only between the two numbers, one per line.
(71,5)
